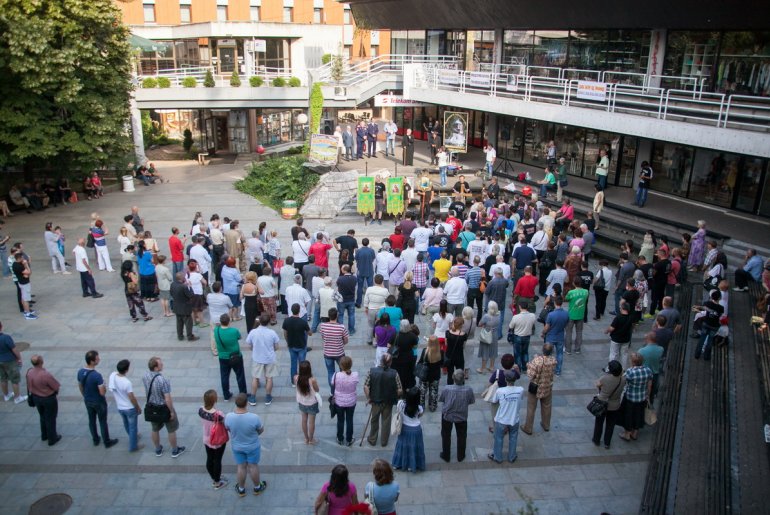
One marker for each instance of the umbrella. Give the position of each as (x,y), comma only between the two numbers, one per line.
(146,45)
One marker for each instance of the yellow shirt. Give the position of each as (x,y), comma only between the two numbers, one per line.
(441,268)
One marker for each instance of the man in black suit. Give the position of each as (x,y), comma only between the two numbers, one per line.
(182,297)
(371,135)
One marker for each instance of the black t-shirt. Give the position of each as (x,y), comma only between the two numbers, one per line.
(623,325)
(647,271)
(714,312)
(586,279)
(645,177)
(295,328)
(379,190)
(459,185)
(631,297)
(18,271)
(455,251)
(348,243)
(442,239)
(296,230)
(660,272)
(591,223)
(458,207)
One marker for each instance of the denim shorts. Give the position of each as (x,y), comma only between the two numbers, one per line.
(235,299)
(310,410)
(243,457)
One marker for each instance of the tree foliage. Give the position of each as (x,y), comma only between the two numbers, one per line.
(208,81)
(278,179)
(316,108)
(65,83)
(235,80)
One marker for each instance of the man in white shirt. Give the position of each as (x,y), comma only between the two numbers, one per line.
(390,138)
(478,247)
(199,253)
(409,255)
(82,266)
(491,155)
(421,236)
(297,294)
(456,292)
(500,264)
(523,326)
(508,399)
(128,406)
(263,342)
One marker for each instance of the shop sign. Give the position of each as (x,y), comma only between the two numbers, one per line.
(395,101)
(256,45)
(226,42)
(449,77)
(480,79)
(590,90)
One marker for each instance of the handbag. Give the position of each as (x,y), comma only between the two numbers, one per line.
(337,296)
(324,508)
(711,283)
(485,335)
(483,286)
(30,400)
(532,388)
(160,414)
(650,417)
(489,392)
(421,368)
(319,399)
(277,264)
(218,434)
(598,407)
(397,421)
(369,498)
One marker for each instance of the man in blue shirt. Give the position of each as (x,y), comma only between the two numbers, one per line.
(553,332)
(365,258)
(93,389)
(751,271)
(523,256)
(244,429)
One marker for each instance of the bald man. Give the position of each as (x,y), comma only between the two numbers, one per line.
(43,387)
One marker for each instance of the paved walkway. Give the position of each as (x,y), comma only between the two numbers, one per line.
(561,471)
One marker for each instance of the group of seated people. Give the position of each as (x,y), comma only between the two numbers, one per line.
(39,195)
(148,174)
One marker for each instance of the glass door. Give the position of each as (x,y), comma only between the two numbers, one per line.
(749,182)
(227,58)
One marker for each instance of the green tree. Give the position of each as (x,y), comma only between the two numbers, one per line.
(187,143)
(235,80)
(65,83)
(208,81)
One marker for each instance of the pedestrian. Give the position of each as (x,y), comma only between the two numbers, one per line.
(610,390)
(245,429)
(455,349)
(52,245)
(158,393)
(697,247)
(711,321)
(383,492)
(652,353)
(409,453)
(131,291)
(602,287)
(44,388)
(209,416)
(577,298)
(338,494)
(433,357)
(488,330)
(249,296)
(182,297)
(297,294)
(296,332)
(382,388)
(164,279)
(384,333)
(147,280)
(508,398)
(636,394)
(176,246)
(93,390)
(345,383)
(408,295)
(263,342)
(346,286)
(268,289)
(334,337)
(554,330)
(750,272)
(372,130)
(403,351)
(540,389)
(307,400)
(620,334)
(99,234)
(374,299)
(10,363)
(229,353)
(347,141)
(520,330)
(86,275)
(380,200)
(456,397)
(128,406)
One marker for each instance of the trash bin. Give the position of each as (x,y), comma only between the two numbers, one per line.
(289,209)
(128,183)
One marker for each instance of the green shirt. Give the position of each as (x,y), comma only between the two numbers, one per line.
(227,341)
(550,178)
(577,298)
(651,355)
(562,172)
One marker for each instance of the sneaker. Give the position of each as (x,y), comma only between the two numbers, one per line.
(110,443)
(261,488)
(159,451)
(98,295)
(648,316)
(20,399)
(8,397)
(221,484)
(252,400)
(240,491)
(577,352)
(30,316)
(567,352)
(66,273)
(268,400)
(178,451)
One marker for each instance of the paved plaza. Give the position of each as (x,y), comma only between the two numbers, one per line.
(560,471)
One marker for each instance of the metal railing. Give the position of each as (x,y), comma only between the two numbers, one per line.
(354,73)
(689,104)
(177,75)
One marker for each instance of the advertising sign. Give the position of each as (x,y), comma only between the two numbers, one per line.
(366,195)
(456,131)
(323,149)
(449,77)
(396,101)
(480,79)
(395,190)
(589,90)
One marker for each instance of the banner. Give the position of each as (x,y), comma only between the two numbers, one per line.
(449,77)
(396,101)
(480,79)
(365,199)
(323,149)
(456,131)
(395,191)
(589,90)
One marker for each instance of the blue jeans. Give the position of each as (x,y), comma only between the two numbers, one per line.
(641,196)
(390,146)
(329,362)
(602,180)
(316,317)
(559,348)
(513,437)
(350,307)
(364,281)
(98,410)
(705,343)
(177,266)
(489,166)
(545,187)
(618,295)
(296,355)
(521,351)
(442,175)
(130,417)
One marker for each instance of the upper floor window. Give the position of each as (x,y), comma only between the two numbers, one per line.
(149,13)
(318,15)
(346,18)
(185,14)
(254,12)
(288,14)
(221,13)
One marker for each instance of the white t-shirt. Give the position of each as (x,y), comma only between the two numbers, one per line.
(196,285)
(421,237)
(201,255)
(219,304)
(478,248)
(121,386)
(381,264)
(456,290)
(505,268)
(508,399)
(300,249)
(267,283)
(491,154)
(442,324)
(406,419)
(80,255)
(409,255)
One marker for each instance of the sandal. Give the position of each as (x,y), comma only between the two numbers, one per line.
(480,370)
(624,436)
(147,318)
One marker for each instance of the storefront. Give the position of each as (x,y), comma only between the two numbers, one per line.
(418,118)
(275,126)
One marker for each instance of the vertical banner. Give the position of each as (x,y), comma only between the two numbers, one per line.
(366,195)
(395,191)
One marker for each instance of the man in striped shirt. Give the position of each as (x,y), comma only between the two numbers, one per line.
(334,337)
(420,271)
(462,267)
(473,278)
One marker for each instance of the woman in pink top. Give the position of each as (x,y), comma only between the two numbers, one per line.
(345,383)
(432,297)
(209,414)
(338,492)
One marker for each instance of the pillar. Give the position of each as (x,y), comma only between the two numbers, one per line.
(656,56)
(136,131)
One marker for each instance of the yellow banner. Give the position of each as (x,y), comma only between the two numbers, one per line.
(395,191)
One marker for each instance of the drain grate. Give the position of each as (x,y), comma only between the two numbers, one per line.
(54,504)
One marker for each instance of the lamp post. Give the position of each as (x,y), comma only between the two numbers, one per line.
(302,120)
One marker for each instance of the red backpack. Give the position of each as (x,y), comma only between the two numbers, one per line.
(218,433)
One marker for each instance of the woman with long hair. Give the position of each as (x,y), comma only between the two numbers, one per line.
(441,323)
(345,383)
(339,492)
(196,282)
(345,260)
(249,295)
(209,415)
(455,346)
(307,386)
(408,294)
(409,453)
(433,357)
(147,281)
(130,288)
(384,333)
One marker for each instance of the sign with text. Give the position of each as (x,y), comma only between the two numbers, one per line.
(590,90)
(480,79)
(511,83)
(260,45)
(365,195)
(396,101)
(323,149)
(449,77)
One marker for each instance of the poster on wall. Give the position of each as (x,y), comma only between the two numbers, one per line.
(323,149)
(395,189)
(480,79)
(449,77)
(511,83)
(456,131)
(444,203)
(365,198)
(590,90)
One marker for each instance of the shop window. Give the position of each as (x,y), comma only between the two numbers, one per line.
(318,15)
(714,177)
(149,13)
(517,46)
(347,19)
(690,54)
(596,141)
(744,63)
(627,162)
(510,138)
(750,182)
(398,41)
(587,49)
(550,48)
(436,42)
(221,13)
(276,56)
(671,166)
(627,51)
(483,46)
(416,42)
(254,13)
(185,16)
(537,134)
(570,144)
(288,14)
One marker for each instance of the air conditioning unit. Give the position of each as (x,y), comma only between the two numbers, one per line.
(340,93)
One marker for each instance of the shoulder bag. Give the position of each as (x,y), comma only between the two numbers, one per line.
(30,400)
(597,407)
(489,392)
(236,359)
(160,414)
(324,508)
(369,498)
(421,368)
(332,405)
(218,435)
(397,421)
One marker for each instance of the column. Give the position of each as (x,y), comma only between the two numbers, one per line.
(136,131)
(656,56)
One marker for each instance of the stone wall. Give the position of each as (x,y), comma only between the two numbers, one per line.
(332,193)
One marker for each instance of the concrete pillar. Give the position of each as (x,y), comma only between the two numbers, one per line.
(656,56)
(136,131)
(470,40)
(498,55)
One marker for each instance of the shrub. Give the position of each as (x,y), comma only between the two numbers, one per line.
(294,82)
(235,80)
(278,179)
(209,80)
(187,143)
(279,82)
(326,59)
(189,82)
(164,82)
(149,83)
(256,82)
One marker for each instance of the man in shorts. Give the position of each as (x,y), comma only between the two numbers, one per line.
(244,429)
(379,199)
(263,342)
(159,393)
(10,361)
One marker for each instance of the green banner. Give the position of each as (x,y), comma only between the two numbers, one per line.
(366,195)
(395,195)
